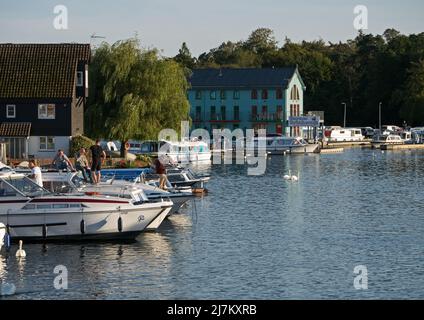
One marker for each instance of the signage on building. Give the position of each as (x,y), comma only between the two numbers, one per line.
(306,121)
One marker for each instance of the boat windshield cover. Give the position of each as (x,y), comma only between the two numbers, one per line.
(26,186)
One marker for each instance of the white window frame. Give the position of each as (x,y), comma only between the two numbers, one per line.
(7,111)
(46,143)
(43,114)
(81,82)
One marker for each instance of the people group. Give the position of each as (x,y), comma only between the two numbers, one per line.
(90,170)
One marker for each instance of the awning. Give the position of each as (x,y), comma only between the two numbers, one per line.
(15,129)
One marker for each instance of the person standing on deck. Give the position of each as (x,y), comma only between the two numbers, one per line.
(161,171)
(35,173)
(81,164)
(97,155)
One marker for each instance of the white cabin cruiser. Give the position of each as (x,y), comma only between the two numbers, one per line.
(282,145)
(381,139)
(178,151)
(71,182)
(33,213)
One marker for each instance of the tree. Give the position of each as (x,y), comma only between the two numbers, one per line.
(413,108)
(134,93)
(184,57)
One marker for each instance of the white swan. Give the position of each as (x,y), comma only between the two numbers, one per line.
(20,253)
(291,177)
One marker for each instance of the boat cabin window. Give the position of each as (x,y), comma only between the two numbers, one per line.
(176,178)
(26,186)
(29,207)
(6,190)
(44,206)
(60,206)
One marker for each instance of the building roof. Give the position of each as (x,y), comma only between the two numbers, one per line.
(242,77)
(40,70)
(15,129)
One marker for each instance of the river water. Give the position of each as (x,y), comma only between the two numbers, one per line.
(260,238)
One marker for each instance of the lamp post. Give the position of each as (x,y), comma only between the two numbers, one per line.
(379,115)
(344,121)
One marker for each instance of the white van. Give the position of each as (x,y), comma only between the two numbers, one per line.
(345,135)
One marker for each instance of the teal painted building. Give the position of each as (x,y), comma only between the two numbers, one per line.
(246,99)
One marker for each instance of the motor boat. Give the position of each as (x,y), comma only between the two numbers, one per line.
(2,234)
(182,178)
(281,145)
(380,139)
(178,151)
(33,213)
(72,182)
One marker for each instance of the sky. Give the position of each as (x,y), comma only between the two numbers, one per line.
(165,24)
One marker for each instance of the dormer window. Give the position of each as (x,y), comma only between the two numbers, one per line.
(46,111)
(80,78)
(10,111)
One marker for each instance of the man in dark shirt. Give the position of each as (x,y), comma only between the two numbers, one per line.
(97,153)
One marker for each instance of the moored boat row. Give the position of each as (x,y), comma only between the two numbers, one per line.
(67,208)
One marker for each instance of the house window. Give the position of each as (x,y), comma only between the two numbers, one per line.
(10,111)
(236,95)
(279,112)
(80,78)
(223,95)
(254,94)
(254,112)
(213,113)
(46,111)
(213,95)
(198,113)
(223,113)
(279,94)
(198,95)
(264,94)
(236,113)
(47,144)
(294,95)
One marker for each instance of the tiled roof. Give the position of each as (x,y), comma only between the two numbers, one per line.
(241,78)
(15,129)
(40,70)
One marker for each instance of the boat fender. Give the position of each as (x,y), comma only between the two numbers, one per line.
(44,231)
(7,239)
(82,226)
(120,224)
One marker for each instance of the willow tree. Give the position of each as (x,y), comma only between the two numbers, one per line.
(135,93)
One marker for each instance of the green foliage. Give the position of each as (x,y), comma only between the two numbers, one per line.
(78,142)
(135,93)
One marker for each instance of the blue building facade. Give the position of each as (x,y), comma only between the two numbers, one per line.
(246,99)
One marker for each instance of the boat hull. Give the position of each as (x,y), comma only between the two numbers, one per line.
(98,224)
(302,149)
(2,234)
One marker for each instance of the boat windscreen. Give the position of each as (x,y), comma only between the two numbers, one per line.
(26,186)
